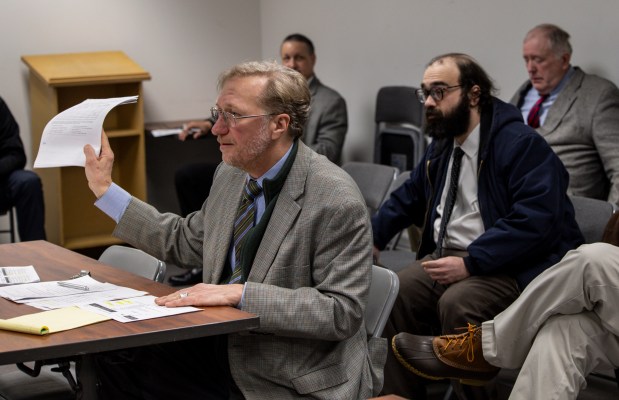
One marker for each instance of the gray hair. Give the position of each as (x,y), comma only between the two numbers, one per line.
(558,38)
(286,91)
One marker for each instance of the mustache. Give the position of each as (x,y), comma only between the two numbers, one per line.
(433,112)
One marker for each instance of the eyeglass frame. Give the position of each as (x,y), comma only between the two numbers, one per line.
(226,115)
(434,93)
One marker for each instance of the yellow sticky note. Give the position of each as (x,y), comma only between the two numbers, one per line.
(45,322)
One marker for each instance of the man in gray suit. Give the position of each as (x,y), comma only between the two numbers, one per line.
(577,113)
(303,265)
(324,133)
(328,120)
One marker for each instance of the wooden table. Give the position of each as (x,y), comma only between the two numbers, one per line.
(56,263)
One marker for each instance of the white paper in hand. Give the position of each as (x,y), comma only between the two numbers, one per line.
(64,137)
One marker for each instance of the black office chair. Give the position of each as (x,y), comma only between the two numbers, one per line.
(373,180)
(399,137)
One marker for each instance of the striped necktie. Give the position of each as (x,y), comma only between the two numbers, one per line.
(245,220)
(451,196)
(536,112)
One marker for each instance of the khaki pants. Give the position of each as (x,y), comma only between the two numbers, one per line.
(563,325)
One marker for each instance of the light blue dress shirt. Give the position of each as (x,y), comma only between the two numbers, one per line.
(115,200)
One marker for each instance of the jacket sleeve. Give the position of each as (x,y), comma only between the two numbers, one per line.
(332,128)
(525,197)
(605,131)
(405,206)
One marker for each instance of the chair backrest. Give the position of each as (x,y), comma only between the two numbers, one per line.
(399,139)
(399,180)
(373,180)
(592,215)
(383,291)
(135,261)
(398,104)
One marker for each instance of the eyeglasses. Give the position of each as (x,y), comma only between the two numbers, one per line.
(436,92)
(231,118)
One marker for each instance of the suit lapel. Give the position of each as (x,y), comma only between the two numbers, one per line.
(284,216)
(229,186)
(563,104)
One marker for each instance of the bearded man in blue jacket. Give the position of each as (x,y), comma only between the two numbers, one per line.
(504,220)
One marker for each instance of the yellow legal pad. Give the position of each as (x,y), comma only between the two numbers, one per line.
(45,322)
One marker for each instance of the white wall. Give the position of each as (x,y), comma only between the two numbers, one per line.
(184,44)
(363,45)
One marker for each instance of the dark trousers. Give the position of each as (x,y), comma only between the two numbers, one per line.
(23,190)
(193,184)
(189,369)
(424,309)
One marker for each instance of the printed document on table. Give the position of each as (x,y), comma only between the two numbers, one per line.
(135,309)
(14,275)
(64,137)
(40,290)
(53,303)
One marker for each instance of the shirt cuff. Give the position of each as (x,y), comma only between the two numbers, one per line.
(114,202)
(240,305)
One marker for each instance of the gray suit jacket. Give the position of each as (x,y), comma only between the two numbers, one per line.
(308,284)
(327,124)
(582,127)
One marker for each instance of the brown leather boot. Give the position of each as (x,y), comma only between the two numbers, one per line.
(450,356)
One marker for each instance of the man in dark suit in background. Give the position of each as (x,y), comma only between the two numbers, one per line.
(324,133)
(19,188)
(577,113)
(328,121)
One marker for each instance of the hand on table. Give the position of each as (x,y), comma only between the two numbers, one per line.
(204,294)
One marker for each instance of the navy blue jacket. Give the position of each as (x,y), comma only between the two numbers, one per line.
(528,218)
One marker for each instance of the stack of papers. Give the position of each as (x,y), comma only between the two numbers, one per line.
(64,137)
(52,295)
(14,275)
(78,302)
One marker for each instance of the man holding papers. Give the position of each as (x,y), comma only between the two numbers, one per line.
(284,234)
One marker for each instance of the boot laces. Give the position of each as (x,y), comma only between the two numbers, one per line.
(463,341)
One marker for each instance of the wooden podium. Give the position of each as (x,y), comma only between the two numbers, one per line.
(60,81)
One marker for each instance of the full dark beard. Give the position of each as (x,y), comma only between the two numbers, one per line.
(448,126)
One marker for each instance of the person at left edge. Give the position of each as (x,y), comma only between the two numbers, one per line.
(306,263)
(19,188)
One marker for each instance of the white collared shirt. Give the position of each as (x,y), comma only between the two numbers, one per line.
(465,224)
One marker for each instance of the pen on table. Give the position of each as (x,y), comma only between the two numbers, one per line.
(73,285)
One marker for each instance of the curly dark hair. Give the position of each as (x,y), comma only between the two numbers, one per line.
(471,74)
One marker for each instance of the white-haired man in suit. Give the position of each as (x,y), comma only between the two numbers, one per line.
(577,113)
